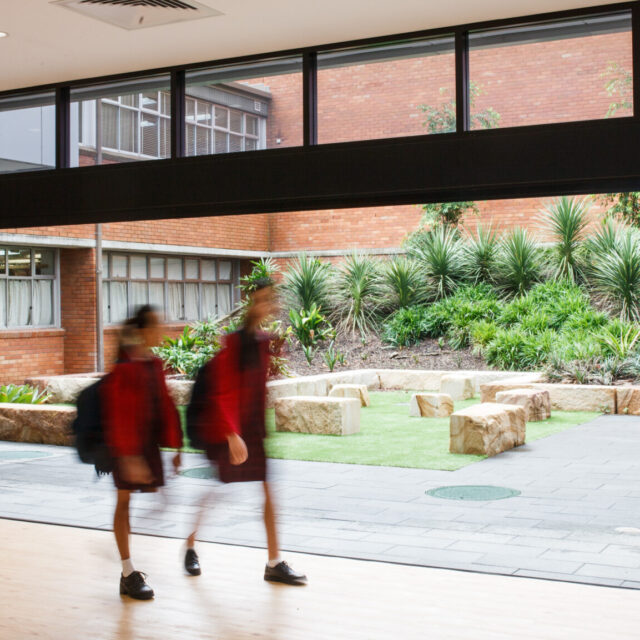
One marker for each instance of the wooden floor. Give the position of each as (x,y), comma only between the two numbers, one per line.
(61,583)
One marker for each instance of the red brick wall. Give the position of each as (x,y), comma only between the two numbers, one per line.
(28,353)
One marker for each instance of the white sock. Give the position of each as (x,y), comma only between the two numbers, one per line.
(127,567)
(273,563)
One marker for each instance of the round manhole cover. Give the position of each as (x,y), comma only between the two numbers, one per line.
(23,455)
(473,492)
(198,472)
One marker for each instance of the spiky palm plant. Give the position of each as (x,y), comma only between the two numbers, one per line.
(566,219)
(307,282)
(402,282)
(358,295)
(519,263)
(439,255)
(481,255)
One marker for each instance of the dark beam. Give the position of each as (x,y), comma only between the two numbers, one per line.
(310,98)
(463,109)
(63,127)
(575,158)
(178,89)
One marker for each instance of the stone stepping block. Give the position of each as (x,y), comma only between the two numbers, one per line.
(37,423)
(460,386)
(487,429)
(358,391)
(628,400)
(430,405)
(311,414)
(536,402)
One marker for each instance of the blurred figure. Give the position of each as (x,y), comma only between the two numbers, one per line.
(139,417)
(231,423)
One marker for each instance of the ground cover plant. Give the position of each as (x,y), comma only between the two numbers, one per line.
(22,394)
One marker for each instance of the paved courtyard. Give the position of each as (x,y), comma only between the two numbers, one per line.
(577,517)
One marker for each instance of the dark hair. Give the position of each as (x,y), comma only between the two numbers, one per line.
(261,283)
(141,318)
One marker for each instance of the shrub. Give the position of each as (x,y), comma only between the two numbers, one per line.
(515,349)
(480,256)
(264,268)
(23,394)
(619,339)
(310,327)
(306,283)
(519,263)
(402,282)
(279,337)
(358,295)
(405,327)
(332,356)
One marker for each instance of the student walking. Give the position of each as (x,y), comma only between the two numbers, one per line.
(139,417)
(231,421)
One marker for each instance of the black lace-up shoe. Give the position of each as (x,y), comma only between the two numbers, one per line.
(282,572)
(191,562)
(134,586)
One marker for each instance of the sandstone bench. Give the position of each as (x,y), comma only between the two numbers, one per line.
(430,405)
(312,414)
(36,423)
(487,429)
(358,391)
(536,402)
(460,386)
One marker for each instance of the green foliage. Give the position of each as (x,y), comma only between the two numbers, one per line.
(23,394)
(307,283)
(405,327)
(566,219)
(279,335)
(480,256)
(358,295)
(447,214)
(332,356)
(264,268)
(619,339)
(520,350)
(623,206)
(519,263)
(402,282)
(310,327)
(440,258)
(309,351)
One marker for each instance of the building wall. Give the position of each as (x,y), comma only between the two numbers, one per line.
(28,353)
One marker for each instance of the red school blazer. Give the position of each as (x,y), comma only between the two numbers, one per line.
(128,400)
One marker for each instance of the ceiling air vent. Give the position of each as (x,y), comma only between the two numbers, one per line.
(138,14)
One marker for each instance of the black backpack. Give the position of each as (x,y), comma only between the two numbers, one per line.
(196,405)
(88,430)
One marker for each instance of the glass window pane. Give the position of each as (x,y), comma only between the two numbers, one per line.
(119,266)
(191,306)
(235,143)
(224,300)
(190,142)
(156,297)
(208,269)
(243,95)
(174,268)
(551,72)
(190,110)
(157,267)
(3,262)
(139,295)
(204,112)
(115,117)
(387,91)
(203,141)
(250,144)
(208,301)
(118,307)
(225,269)
(27,133)
(138,267)
(19,312)
(175,301)
(3,303)
(19,262)
(43,303)
(191,269)
(44,262)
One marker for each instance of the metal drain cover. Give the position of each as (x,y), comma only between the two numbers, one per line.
(198,472)
(23,455)
(473,492)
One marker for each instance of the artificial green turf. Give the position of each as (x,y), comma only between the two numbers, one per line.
(389,437)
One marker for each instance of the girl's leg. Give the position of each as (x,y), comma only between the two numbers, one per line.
(270,524)
(121,527)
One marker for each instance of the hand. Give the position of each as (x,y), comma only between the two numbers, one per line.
(176,461)
(237,449)
(135,470)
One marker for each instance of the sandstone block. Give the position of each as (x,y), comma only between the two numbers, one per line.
(65,390)
(358,391)
(281,389)
(311,414)
(536,402)
(628,400)
(368,377)
(410,379)
(460,386)
(487,429)
(430,405)
(37,423)
(488,390)
(580,397)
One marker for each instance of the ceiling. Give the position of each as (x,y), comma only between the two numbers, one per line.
(48,43)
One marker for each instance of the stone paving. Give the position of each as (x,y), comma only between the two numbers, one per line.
(577,517)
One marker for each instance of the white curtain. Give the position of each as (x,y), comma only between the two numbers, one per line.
(3,300)
(191,302)
(118,301)
(42,303)
(224,299)
(139,295)
(174,308)
(19,303)
(208,301)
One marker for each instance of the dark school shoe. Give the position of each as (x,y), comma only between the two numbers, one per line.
(282,572)
(135,586)
(192,563)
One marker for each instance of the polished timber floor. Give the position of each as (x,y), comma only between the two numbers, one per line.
(61,583)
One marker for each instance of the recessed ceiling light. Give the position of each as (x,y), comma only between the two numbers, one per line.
(3,34)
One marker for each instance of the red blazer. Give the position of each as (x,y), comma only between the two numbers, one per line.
(231,393)
(128,400)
